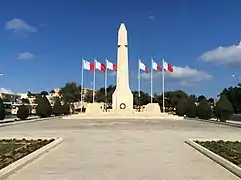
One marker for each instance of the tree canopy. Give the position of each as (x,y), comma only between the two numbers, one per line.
(71,92)
(224,109)
(234,96)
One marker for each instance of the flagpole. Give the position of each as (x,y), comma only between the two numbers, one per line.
(94,82)
(106,81)
(139,85)
(163,86)
(82,84)
(151,77)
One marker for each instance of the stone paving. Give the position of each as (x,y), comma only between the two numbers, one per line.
(122,150)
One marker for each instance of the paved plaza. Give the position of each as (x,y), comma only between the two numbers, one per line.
(122,150)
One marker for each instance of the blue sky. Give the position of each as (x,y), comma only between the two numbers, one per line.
(42,42)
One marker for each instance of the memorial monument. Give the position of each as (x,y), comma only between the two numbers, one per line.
(122,98)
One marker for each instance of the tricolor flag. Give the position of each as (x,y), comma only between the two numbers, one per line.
(111,66)
(143,67)
(88,65)
(155,66)
(101,67)
(167,66)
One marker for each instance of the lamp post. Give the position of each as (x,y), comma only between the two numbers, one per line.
(92,88)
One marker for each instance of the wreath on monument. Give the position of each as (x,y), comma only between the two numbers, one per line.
(122,106)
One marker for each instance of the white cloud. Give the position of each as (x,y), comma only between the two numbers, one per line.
(6,91)
(183,75)
(230,55)
(19,25)
(25,56)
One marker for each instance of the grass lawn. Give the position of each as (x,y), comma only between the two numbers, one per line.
(8,148)
(12,150)
(230,150)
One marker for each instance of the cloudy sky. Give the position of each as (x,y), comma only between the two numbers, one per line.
(42,42)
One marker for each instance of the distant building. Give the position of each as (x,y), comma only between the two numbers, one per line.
(10,97)
(87,90)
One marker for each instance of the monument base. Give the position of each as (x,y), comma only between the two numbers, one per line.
(115,115)
(94,108)
(122,100)
(153,108)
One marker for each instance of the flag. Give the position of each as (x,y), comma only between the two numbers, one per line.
(111,66)
(88,65)
(143,67)
(167,66)
(156,67)
(101,67)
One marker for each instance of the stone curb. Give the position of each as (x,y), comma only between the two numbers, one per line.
(218,159)
(25,121)
(215,122)
(17,165)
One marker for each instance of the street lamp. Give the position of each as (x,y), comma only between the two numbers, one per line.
(1,74)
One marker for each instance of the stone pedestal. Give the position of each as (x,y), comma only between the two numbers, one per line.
(93,108)
(153,108)
(122,101)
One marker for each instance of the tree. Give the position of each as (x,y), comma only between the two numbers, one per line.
(66,109)
(23,112)
(71,92)
(44,93)
(181,108)
(43,108)
(171,99)
(201,98)
(101,97)
(224,109)
(193,97)
(57,109)
(25,101)
(175,96)
(211,101)
(2,110)
(52,91)
(191,108)
(204,110)
(144,98)
(234,96)
(29,94)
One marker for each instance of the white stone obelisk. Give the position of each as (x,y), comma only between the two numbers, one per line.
(122,98)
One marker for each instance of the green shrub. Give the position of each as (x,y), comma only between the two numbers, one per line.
(2,110)
(23,112)
(224,109)
(191,108)
(58,108)
(204,110)
(44,108)
(66,109)
(181,108)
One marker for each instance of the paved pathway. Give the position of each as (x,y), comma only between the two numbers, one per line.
(122,150)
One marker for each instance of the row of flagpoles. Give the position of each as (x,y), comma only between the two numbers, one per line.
(154,66)
(86,65)
(96,65)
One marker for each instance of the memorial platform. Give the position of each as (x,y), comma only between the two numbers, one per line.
(126,115)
